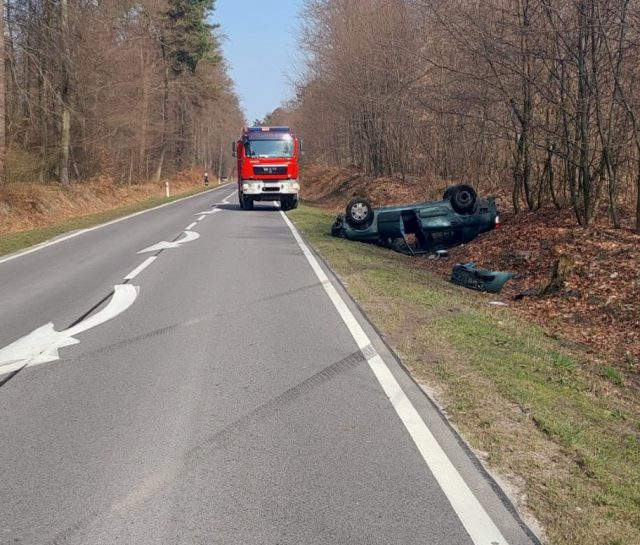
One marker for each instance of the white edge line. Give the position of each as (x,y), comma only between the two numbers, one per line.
(226,199)
(135,272)
(471,513)
(191,225)
(46,244)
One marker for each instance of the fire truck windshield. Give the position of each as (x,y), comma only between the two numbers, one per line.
(269,148)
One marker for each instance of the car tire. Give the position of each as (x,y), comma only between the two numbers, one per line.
(248,203)
(463,198)
(448,191)
(359,213)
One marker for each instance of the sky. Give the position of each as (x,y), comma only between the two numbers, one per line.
(260,46)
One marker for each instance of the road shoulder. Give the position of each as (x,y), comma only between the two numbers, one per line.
(533,412)
(426,423)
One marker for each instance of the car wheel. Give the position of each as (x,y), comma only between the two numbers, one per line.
(463,199)
(449,190)
(248,203)
(294,204)
(359,212)
(286,203)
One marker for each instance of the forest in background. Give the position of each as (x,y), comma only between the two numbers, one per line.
(536,98)
(130,90)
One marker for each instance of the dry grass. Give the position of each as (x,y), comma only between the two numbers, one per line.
(27,206)
(31,213)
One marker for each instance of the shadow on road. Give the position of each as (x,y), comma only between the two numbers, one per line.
(258,206)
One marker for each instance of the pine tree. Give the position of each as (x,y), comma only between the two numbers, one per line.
(189,35)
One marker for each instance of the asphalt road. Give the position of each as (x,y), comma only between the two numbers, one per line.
(235,395)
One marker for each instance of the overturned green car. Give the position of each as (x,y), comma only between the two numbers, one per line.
(458,218)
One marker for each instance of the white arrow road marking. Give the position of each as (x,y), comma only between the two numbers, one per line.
(192,225)
(42,344)
(189,236)
(206,213)
(135,272)
(160,246)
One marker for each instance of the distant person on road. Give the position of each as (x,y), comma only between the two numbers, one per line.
(206,179)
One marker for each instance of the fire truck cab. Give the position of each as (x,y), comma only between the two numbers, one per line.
(268,166)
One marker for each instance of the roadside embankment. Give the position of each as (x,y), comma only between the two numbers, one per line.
(33,213)
(25,206)
(596,311)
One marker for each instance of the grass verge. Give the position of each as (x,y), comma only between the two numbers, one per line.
(14,242)
(565,433)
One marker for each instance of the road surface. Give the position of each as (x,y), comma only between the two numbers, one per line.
(193,375)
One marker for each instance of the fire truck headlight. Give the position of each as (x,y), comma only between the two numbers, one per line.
(245,186)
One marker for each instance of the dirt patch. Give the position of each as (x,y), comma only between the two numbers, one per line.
(332,188)
(25,206)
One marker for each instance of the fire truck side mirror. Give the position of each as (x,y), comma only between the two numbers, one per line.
(233,149)
(301,147)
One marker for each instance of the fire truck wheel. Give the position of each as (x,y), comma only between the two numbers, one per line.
(289,203)
(246,203)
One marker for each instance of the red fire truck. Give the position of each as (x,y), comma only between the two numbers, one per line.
(268,166)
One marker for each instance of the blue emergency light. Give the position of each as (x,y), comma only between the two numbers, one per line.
(268,129)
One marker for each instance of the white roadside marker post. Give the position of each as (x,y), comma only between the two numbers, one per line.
(166,186)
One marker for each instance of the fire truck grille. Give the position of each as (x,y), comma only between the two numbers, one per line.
(269,170)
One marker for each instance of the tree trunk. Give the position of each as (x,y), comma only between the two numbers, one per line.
(2,97)
(65,95)
(638,195)
(144,118)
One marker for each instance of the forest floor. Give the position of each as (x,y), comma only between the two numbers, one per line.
(33,213)
(556,420)
(598,312)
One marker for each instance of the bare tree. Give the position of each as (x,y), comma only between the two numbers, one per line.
(2,95)
(537,97)
(111,96)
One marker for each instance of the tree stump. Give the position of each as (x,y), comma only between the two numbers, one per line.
(562,269)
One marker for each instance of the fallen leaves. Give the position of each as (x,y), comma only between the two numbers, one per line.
(599,307)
